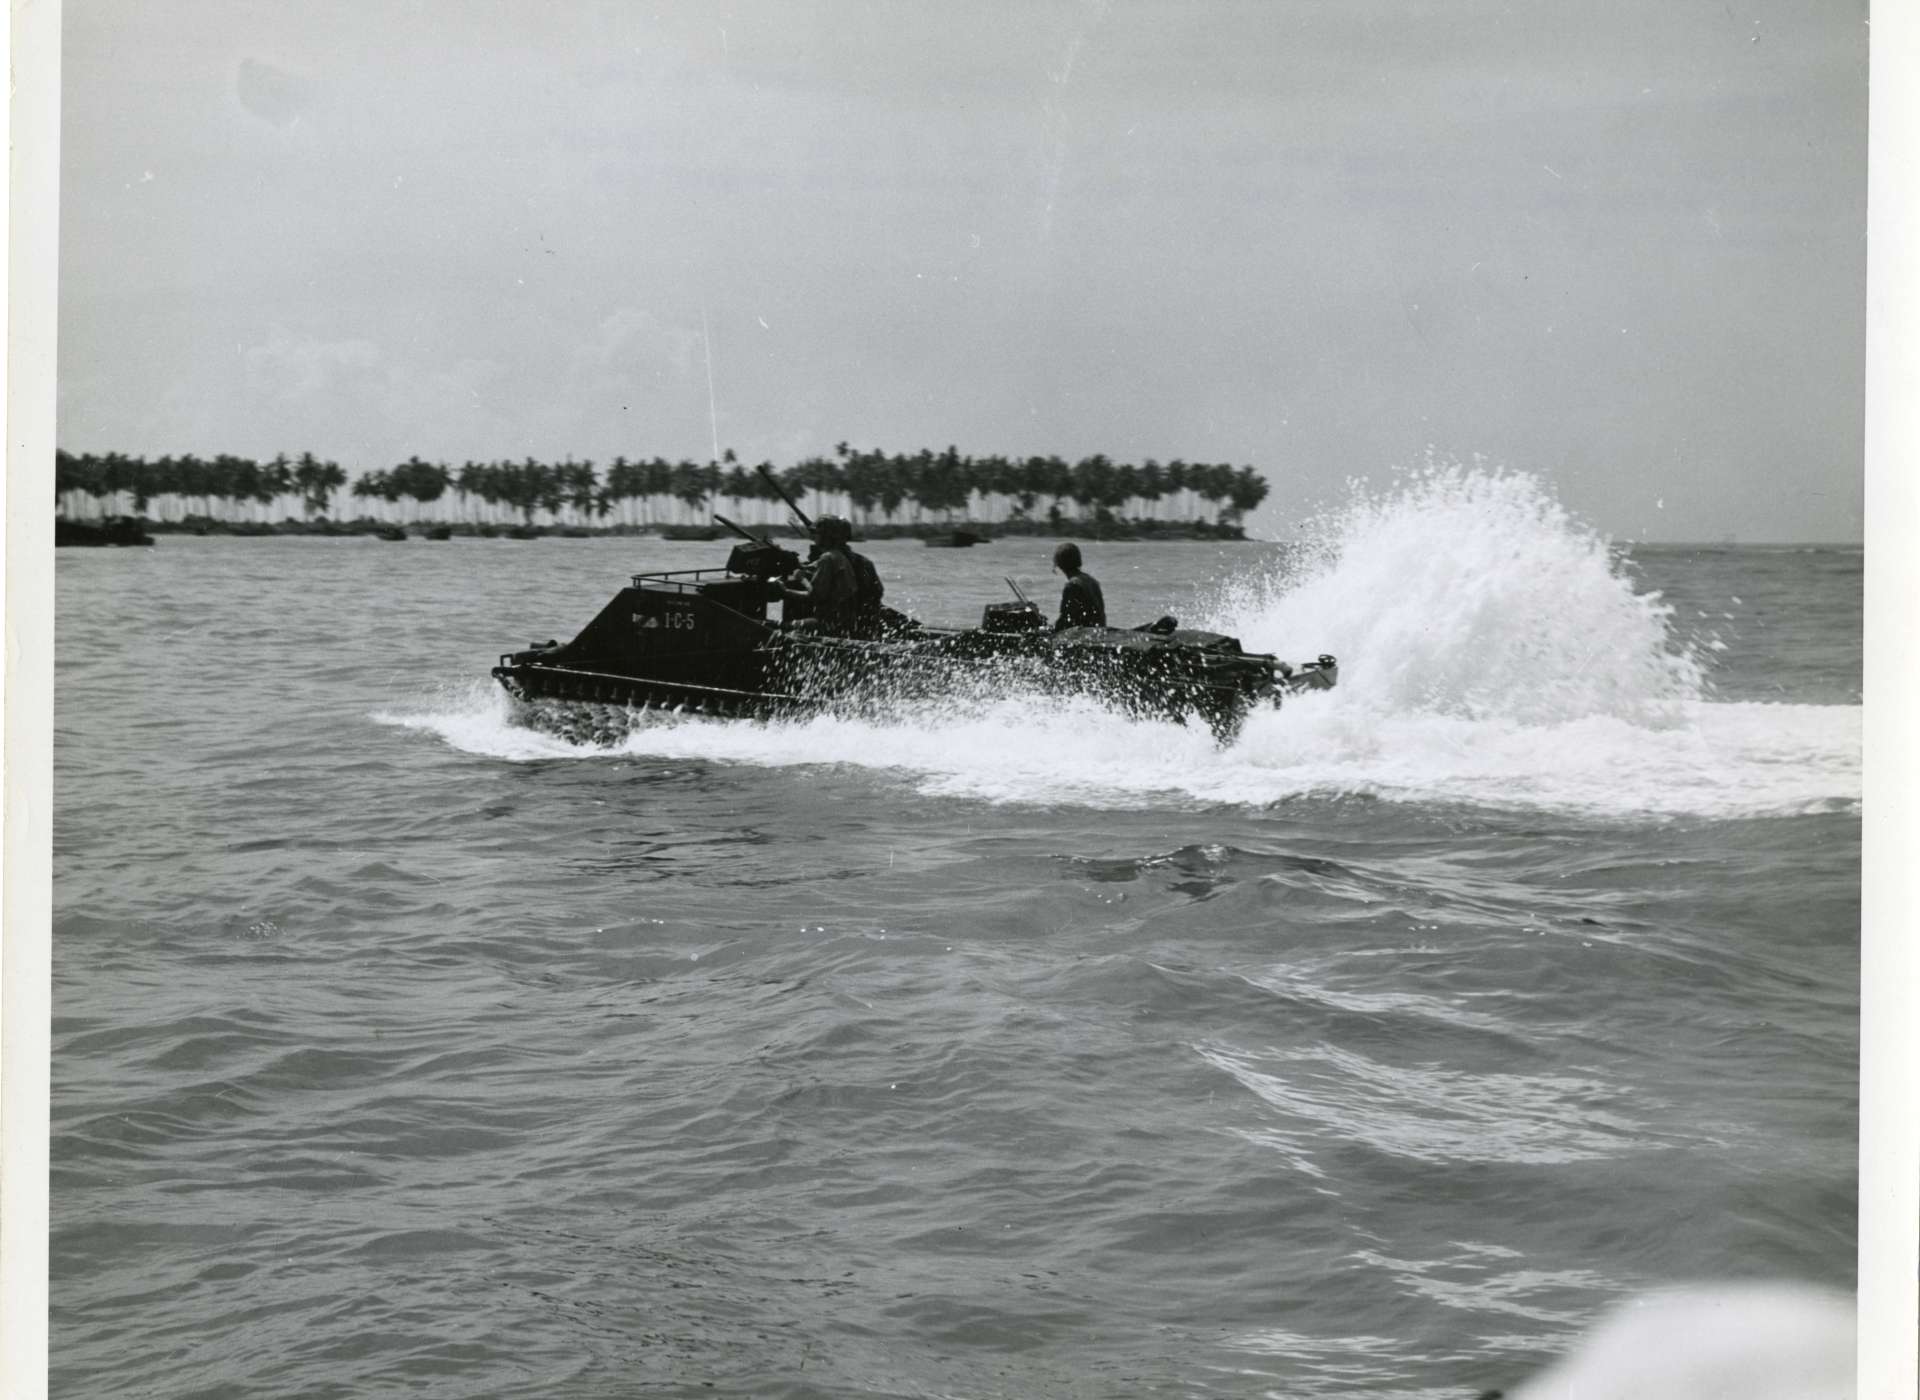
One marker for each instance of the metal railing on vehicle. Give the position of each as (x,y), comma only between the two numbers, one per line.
(686,580)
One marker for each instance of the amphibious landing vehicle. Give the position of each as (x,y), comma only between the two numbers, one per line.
(709,642)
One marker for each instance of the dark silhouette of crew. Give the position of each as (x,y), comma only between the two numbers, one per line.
(842,588)
(868,591)
(1081,602)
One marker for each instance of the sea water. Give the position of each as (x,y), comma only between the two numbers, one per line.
(1009,1047)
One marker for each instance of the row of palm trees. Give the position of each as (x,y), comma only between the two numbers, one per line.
(872,487)
(223,487)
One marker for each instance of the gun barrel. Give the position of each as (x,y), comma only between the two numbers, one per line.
(780,491)
(739,530)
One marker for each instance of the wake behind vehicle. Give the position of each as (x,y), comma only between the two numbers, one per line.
(708,641)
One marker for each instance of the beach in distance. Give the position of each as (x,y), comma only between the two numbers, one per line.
(888,495)
(120,529)
(1006,1046)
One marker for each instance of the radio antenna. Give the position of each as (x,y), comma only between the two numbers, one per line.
(713,408)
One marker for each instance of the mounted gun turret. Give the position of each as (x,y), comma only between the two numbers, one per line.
(759,557)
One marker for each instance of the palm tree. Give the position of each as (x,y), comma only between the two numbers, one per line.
(114,475)
(1092,481)
(736,485)
(659,486)
(1217,486)
(165,486)
(370,486)
(580,487)
(142,486)
(1248,491)
(422,482)
(1153,486)
(67,476)
(1176,484)
(308,479)
(864,477)
(689,487)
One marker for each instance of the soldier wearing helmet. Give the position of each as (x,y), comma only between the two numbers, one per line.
(844,589)
(1081,602)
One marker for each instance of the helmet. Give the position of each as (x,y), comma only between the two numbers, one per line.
(833,529)
(1067,557)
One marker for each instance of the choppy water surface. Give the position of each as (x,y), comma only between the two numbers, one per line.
(1009,1050)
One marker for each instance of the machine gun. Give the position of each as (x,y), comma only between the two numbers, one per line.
(759,557)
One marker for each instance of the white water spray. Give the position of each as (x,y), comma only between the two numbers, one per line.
(1472,593)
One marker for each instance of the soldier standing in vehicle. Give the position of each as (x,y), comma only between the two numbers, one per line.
(843,588)
(1081,602)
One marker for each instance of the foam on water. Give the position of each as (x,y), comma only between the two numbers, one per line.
(1493,652)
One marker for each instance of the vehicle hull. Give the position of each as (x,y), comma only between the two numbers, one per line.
(703,642)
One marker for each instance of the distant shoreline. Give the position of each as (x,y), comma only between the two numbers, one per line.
(120,530)
(136,530)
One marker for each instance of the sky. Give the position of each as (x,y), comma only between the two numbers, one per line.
(1622,246)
